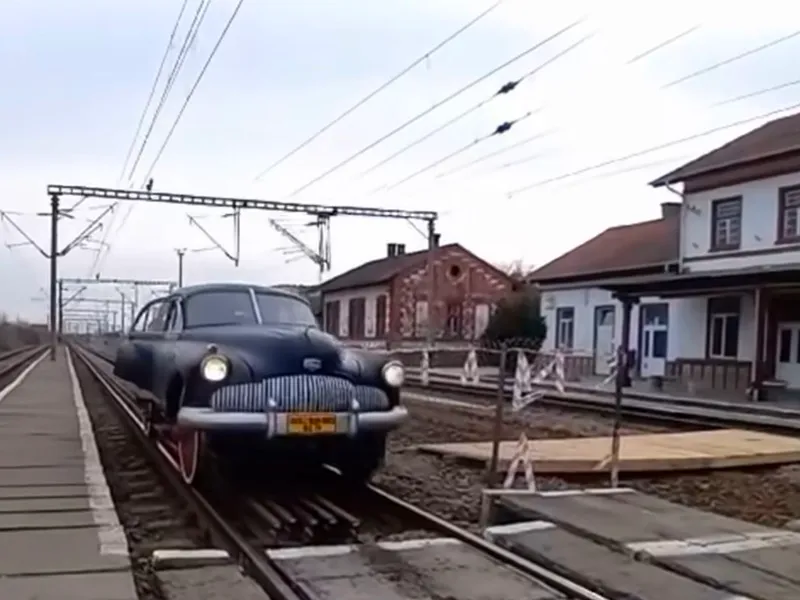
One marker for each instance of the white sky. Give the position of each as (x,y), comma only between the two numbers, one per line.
(76,76)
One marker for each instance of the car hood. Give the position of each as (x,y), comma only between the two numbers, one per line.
(275,350)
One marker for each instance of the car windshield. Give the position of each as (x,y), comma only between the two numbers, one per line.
(206,309)
(277,309)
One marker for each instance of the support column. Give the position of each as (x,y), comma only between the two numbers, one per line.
(621,381)
(60,307)
(758,367)
(54,321)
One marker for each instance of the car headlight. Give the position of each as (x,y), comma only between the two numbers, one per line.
(214,367)
(394,374)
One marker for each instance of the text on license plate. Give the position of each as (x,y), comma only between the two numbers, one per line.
(311,424)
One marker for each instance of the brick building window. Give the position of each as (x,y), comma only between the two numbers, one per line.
(332,317)
(722,332)
(789,214)
(726,224)
(454,321)
(380,316)
(355,318)
(565,327)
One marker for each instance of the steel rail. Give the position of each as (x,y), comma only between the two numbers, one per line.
(16,351)
(256,563)
(678,413)
(19,360)
(572,589)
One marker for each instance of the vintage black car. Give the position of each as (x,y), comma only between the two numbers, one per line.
(246,369)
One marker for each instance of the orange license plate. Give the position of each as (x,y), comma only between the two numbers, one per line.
(312,424)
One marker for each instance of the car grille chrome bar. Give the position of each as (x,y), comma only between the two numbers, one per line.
(299,393)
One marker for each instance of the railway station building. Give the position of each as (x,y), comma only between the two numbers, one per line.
(709,292)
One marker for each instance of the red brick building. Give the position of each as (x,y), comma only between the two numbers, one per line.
(386,300)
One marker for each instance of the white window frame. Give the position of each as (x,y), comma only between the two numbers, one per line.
(561,323)
(722,236)
(723,318)
(790,204)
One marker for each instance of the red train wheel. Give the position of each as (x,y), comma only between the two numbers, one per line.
(190,445)
(149,418)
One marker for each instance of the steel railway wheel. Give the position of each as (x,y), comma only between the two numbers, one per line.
(190,450)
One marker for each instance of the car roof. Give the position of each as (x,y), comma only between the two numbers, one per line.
(190,290)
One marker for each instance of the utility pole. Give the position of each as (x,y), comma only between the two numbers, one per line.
(433,242)
(180,252)
(54,319)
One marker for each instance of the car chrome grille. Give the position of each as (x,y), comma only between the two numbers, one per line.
(299,393)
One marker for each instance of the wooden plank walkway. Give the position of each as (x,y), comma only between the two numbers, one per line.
(696,450)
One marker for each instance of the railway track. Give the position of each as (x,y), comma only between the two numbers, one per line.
(707,414)
(14,362)
(245,519)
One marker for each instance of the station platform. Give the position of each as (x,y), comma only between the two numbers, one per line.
(60,537)
(641,453)
(636,546)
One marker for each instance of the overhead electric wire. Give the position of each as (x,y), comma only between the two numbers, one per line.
(436,105)
(103,243)
(188,98)
(153,89)
(662,45)
(188,42)
(504,127)
(732,59)
(506,88)
(380,88)
(485,157)
(652,149)
(760,92)
(510,87)
(194,89)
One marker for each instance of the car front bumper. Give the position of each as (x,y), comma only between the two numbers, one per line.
(276,424)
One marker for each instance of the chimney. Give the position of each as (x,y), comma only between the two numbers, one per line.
(670,209)
(400,249)
(391,250)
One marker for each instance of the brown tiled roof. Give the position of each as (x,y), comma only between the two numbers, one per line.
(375,271)
(650,243)
(771,139)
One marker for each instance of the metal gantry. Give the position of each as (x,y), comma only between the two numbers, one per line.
(323,213)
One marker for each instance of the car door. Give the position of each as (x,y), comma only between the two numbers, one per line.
(166,355)
(152,342)
(145,342)
(127,365)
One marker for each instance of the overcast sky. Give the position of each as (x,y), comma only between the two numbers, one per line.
(76,76)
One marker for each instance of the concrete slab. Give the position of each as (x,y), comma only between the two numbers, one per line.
(78,586)
(208,583)
(15,521)
(75,490)
(34,505)
(48,551)
(598,567)
(67,475)
(423,569)
(743,558)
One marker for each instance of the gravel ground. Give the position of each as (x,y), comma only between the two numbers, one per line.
(767,496)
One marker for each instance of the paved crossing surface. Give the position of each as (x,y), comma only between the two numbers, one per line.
(626,542)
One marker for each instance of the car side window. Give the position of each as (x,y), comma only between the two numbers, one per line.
(143,320)
(175,319)
(159,312)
